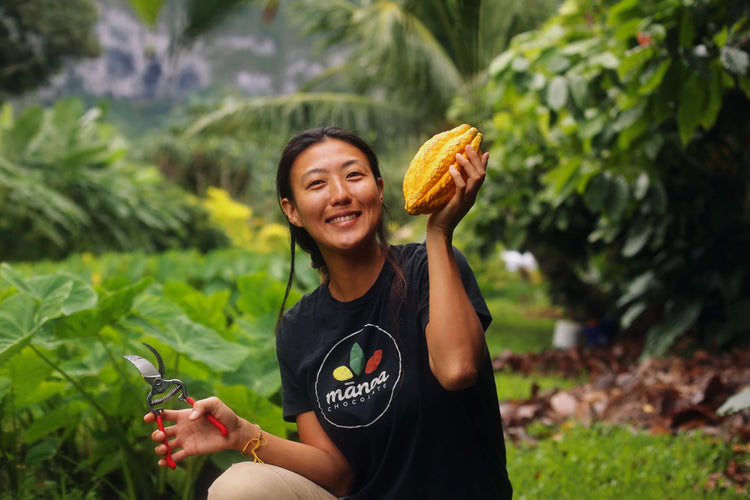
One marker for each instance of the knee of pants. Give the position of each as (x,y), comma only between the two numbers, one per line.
(248,481)
(252,481)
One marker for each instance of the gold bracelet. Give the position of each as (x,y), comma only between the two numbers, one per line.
(256,443)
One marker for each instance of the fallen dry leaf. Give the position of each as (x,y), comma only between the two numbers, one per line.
(661,395)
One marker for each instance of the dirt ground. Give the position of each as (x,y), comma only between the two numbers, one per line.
(660,395)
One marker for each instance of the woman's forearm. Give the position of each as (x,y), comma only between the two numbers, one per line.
(318,461)
(455,337)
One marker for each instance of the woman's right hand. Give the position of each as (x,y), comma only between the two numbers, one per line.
(193,434)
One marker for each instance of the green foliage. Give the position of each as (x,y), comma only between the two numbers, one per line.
(71,407)
(66,185)
(619,139)
(613,462)
(416,54)
(401,64)
(37,36)
(516,386)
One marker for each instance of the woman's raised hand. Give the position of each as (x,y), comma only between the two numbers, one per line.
(467,186)
(192,434)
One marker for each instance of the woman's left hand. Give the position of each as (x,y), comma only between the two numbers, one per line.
(467,186)
(193,434)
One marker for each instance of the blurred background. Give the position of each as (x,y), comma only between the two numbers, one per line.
(138,149)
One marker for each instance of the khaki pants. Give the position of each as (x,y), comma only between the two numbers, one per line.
(251,481)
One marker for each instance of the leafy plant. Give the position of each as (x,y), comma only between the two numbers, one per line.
(71,407)
(38,36)
(620,131)
(398,65)
(66,185)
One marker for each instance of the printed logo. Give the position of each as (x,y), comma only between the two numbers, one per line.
(357,378)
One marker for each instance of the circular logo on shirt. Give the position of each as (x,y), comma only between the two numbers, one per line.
(356,380)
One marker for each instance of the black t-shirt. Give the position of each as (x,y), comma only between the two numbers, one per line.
(366,375)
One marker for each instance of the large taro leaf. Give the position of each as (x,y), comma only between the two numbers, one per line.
(260,298)
(203,344)
(4,386)
(54,419)
(205,309)
(17,324)
(260,370)
(39,299)
(31,381)
(156,309)
(255,408)
(59,294)
(42,451)
(168,323)
(165,322)
(112,307)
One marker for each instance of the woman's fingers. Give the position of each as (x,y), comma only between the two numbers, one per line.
(161,448)
(159,436)
(176,456)
(474,165)
(458,179)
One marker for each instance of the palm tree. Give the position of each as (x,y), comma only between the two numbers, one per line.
(401,63)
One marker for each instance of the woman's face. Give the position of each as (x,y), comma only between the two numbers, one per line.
(337,199)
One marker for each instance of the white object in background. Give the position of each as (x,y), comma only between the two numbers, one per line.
(516,260)
(567,334)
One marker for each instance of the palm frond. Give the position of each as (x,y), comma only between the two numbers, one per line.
(390,52)
(397,47)
(501,20)
(305,110)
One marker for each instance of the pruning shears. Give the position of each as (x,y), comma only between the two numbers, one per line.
(163,390)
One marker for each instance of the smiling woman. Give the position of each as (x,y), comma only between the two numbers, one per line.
(338,200)
(384,367)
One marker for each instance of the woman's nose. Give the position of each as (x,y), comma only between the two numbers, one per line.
(339,192)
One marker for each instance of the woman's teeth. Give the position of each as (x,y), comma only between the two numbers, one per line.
(343,218)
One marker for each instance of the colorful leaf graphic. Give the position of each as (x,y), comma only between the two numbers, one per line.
(342,373)
(374,361)
(357,359)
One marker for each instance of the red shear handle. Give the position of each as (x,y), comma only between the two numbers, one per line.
(170,462)
(210,418)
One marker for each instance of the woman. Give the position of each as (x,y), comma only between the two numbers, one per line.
(384,366)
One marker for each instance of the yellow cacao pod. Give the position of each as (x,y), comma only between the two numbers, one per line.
(428,184)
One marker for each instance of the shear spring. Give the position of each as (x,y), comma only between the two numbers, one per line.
(172,391)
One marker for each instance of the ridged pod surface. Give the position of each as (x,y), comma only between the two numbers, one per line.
(428,184)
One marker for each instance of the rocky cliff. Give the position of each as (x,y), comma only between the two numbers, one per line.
(243,54)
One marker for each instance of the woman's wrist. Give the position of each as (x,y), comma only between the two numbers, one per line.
(253,445)
(243,434)
(437,236)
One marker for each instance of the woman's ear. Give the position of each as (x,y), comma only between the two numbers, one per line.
(380,188)
(290,210)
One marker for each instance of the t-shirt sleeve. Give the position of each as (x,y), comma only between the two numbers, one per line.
(294,398)
(470,285)
(472,289)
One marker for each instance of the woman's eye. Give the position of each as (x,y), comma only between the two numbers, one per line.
(351,175)
(314,183)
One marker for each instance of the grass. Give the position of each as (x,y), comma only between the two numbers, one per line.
(522,321)
(608,462)
(513,386)
(598,462)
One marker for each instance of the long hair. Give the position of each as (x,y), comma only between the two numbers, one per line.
(299,236)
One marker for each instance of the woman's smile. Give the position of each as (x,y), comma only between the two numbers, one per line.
(342,218)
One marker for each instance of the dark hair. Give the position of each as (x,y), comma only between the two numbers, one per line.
(299,236)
